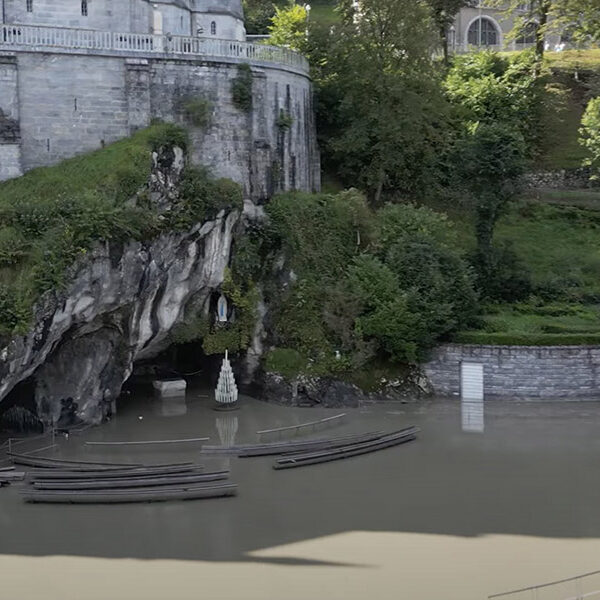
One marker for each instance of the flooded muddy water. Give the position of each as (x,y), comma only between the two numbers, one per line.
(499,469)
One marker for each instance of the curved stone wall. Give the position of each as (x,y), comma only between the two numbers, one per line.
(68,101)
(521,372)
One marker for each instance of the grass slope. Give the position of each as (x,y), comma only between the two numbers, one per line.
(557,236)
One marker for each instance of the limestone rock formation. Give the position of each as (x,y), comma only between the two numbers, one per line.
(120,307)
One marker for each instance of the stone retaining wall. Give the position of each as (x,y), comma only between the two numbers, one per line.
(560,180)
(60,103)
(520,372)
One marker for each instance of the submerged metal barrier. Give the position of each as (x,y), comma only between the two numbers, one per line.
(579,587)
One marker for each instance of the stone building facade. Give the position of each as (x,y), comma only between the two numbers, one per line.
(484,26)
(76,75)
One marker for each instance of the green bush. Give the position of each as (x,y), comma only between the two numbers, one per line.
(165,135)
(385,284)
(287,362)
(241,88)
(202,197)
(525,339)
(51,217)
(197,111)
(12,246)
(284,120)
(590,135)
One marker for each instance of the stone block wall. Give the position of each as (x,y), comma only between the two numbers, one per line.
(520,372)
(561,179)
(67,104)
(108,15)
(10,131)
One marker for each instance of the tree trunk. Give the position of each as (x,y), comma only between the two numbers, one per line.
(540,37)
(444,38)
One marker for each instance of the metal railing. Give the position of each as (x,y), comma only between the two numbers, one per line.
(573,588)
(37,37)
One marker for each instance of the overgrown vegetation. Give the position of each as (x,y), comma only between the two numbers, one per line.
(52,216)
(366,285)
(241,88)
(197,111)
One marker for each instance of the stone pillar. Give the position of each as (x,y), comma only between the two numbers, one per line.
(10,130)
(137,80)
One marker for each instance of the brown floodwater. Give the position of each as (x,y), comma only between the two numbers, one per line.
(501,469)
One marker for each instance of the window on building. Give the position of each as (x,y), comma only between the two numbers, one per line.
(29,5)
(483,32)
(84,8)
(213,28)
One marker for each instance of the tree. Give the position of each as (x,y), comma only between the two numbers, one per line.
(490,160)
(590,135)
(538,16)
(579,18)
(444,14)
(385,96)
(489,87)
(289,26)
(258,15)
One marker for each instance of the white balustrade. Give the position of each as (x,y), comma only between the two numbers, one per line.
(32,37)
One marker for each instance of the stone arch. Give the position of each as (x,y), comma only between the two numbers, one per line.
(489,25)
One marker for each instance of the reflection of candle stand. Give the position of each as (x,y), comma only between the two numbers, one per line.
(227,426)
(226,394)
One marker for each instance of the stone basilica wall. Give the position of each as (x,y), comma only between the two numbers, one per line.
(520,372)
(55,105)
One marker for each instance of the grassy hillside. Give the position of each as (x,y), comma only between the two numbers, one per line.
(52,216)
(322,11)
(556,234)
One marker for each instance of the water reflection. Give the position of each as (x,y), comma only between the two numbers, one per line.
(170,406)
(473,417)
(227,426)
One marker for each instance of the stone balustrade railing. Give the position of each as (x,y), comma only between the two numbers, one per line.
(44,38)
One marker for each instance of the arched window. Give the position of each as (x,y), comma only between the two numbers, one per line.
(84,8)
(213,28)
(483,32)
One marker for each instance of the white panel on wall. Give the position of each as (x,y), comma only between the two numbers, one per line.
(471,381)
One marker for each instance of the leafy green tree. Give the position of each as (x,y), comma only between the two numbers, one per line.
(289,26)
(384,96)
(490,160)
(509,90)
(590,135)
(538,16)
(444,14)
(258,15)
(580,18)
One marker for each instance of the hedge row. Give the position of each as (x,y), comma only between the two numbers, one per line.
(527,339)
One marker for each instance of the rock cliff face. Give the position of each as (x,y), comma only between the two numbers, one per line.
(120,307)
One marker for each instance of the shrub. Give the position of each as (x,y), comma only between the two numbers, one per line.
(501,275)
(284,120)
(12,246)
(201,197)
(590,135)
(527,339)
(241,88)
(164,135)
(286,361)
(197,111)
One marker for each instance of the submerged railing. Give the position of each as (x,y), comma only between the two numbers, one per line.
(572,588)
(35,37)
